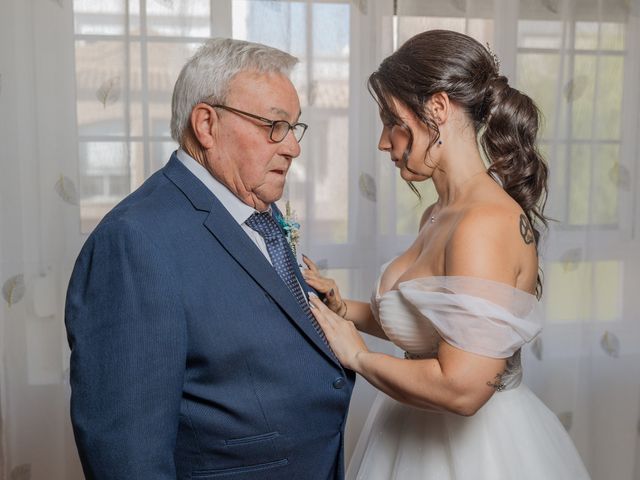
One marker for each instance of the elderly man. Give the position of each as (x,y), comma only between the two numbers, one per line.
(194,353)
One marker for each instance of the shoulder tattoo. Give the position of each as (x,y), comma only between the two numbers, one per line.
(525,230)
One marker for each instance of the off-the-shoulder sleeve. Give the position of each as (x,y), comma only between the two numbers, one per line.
(476,315)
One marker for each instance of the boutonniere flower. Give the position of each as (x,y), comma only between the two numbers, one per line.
(291,227)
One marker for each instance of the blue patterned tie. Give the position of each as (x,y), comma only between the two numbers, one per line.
(281,258)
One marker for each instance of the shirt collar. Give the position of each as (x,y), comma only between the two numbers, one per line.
(239,210)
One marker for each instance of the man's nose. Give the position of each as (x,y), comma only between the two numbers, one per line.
(290,145)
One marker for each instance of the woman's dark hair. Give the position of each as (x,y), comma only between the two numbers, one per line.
(506,119)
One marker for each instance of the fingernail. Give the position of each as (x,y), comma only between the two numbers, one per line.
(312,294)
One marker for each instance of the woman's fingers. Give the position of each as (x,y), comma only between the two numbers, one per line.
(311,276)
(341,334)
(326,286)
(314,300)
(317,303)
(320,284)
(322,320)
(308,274)
(310,264)
(321,311)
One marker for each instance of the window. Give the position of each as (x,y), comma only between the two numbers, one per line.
(573,64)
(575,72)
(128,55)
(318,33)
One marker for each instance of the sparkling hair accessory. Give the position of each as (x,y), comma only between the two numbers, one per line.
(496,60)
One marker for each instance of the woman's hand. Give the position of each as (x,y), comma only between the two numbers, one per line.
(344,339)
(324,285)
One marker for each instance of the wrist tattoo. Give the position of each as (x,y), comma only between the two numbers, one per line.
(342,313)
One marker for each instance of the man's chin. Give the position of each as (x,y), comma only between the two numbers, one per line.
(273,195)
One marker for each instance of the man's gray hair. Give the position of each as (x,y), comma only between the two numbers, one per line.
(206,76)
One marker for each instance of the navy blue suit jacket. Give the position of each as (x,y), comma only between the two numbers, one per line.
(190,358)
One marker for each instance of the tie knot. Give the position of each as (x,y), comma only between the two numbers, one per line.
(264,224)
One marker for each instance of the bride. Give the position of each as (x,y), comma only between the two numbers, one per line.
(463,298)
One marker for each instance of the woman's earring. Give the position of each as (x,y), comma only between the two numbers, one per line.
(439,142)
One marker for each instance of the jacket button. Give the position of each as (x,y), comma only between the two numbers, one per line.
(339,383)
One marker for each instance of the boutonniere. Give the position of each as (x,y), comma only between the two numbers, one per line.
(291,227)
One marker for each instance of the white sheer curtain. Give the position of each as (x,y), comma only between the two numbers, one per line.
(85,94)
(579,60)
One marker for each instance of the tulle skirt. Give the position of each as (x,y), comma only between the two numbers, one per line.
(513,436)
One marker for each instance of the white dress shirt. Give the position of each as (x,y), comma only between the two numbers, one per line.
(239,210)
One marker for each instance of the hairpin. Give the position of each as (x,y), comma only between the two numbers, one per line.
(496,60)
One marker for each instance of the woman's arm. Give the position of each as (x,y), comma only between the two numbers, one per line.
(456,381)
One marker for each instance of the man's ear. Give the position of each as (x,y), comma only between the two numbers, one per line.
(203,120)
(439,107)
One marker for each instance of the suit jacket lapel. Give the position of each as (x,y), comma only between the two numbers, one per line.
(236,242)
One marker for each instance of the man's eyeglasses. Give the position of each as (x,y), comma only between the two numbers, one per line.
(279,128)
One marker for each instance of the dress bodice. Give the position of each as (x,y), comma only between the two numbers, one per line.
(476,315)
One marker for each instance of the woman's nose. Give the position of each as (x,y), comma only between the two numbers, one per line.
(384,145)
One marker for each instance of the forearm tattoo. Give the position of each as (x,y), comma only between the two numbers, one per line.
(525,230)
(497,383)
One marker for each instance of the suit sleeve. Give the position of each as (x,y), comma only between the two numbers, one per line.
(126,329)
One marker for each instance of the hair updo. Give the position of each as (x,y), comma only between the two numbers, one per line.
(506,119)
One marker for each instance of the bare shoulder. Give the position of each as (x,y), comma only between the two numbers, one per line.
(493,241)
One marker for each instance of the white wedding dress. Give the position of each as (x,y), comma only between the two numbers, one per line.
(513,436)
